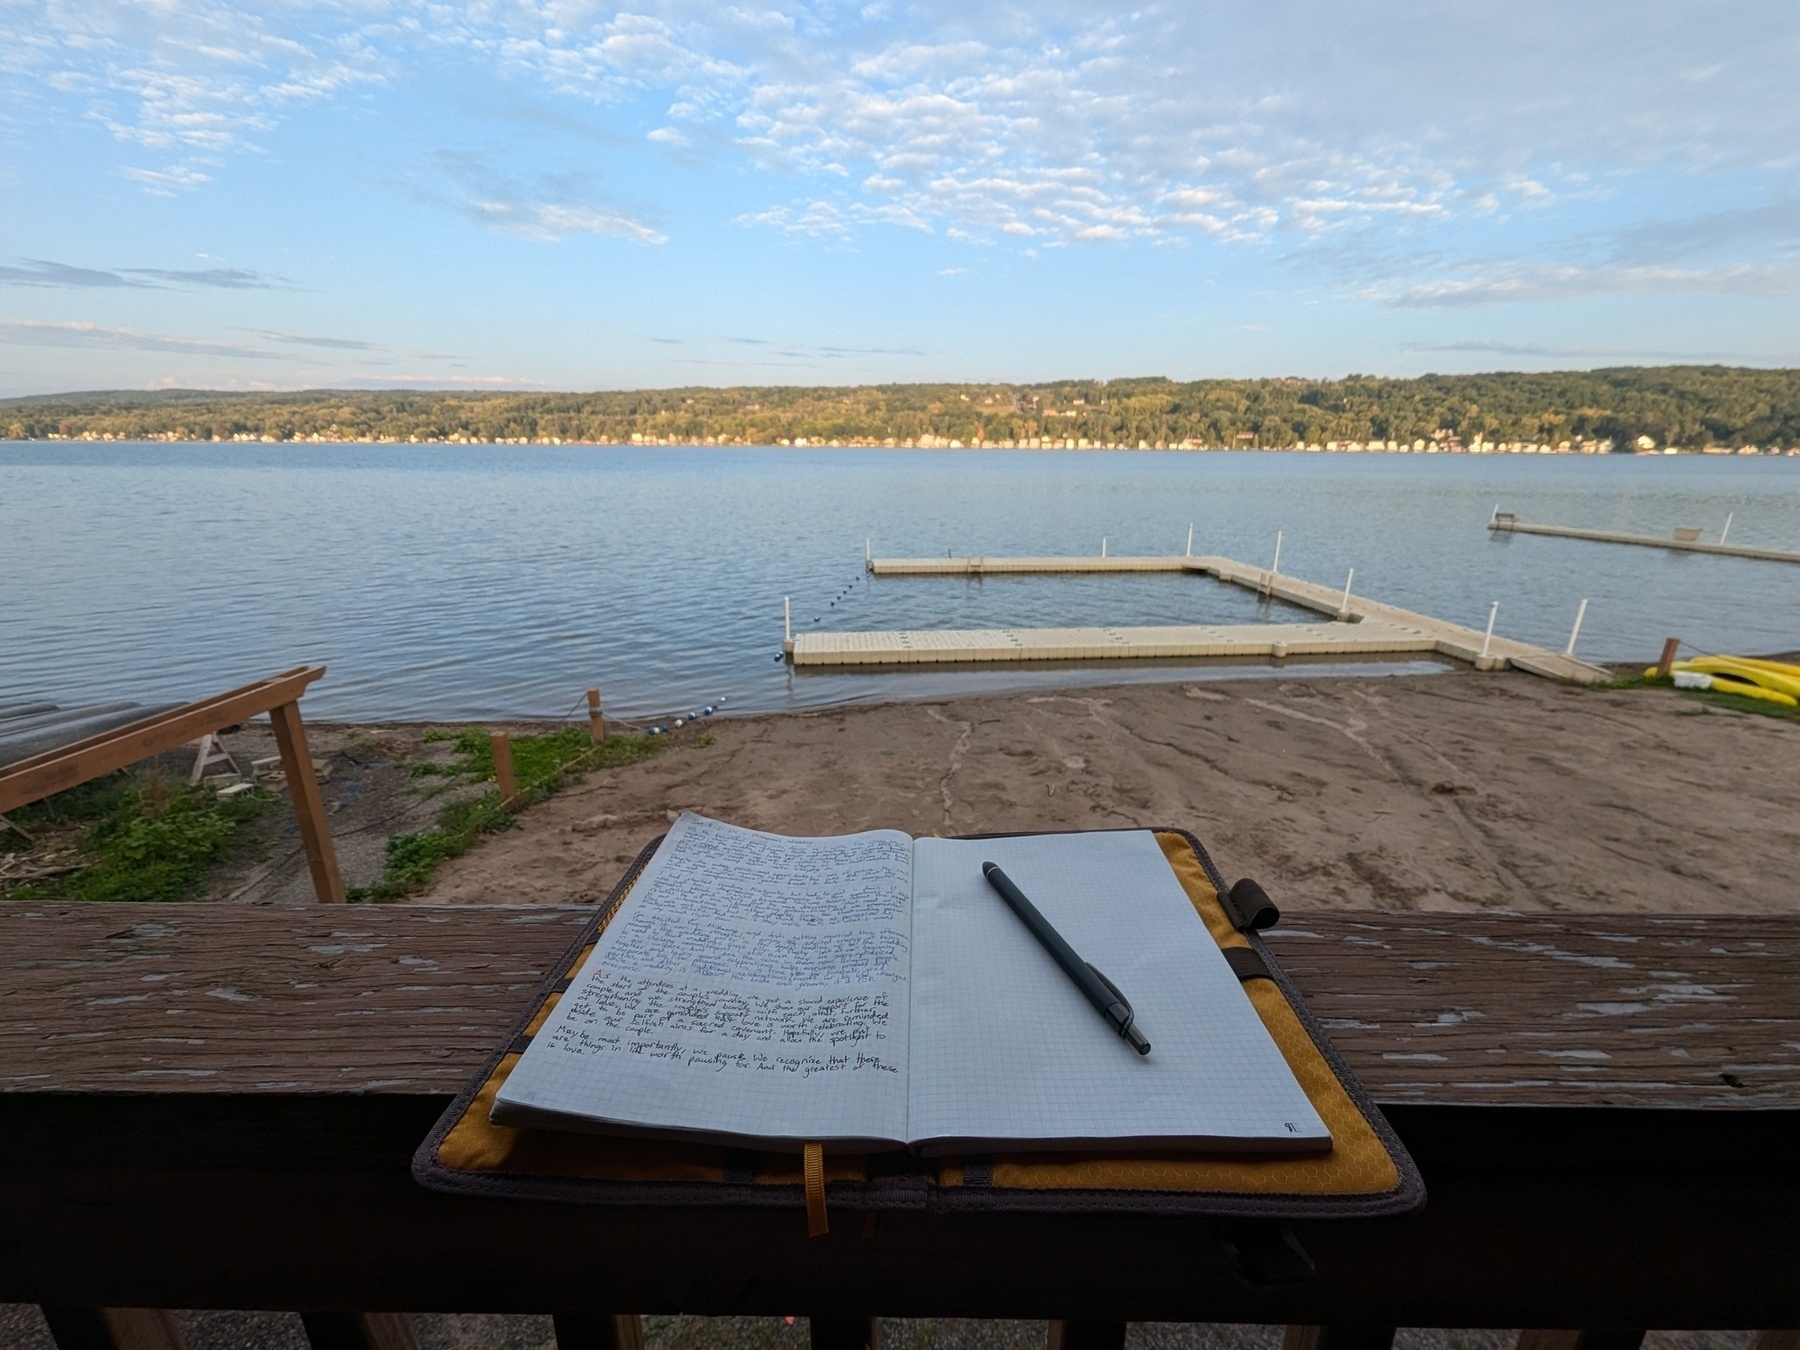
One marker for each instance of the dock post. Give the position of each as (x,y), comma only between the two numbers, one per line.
(1727,529)
(868,552)
(1344,607)
(1190,548)
(1102,546)
(1575,632)
(1488,641)
(1275,567)
(503,765)
(596,723)
(787,619)
(1667,659)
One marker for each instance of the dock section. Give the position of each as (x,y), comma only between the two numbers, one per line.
(975,565)
(1505,523)
(1358,627)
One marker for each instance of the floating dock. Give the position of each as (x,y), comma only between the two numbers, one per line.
(974,565)
(1506,523)
(1358,626)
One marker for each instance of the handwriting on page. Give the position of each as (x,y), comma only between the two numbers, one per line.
(710,950)
(719,1028)
(765,879)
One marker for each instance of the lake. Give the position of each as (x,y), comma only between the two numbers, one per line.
(452,582)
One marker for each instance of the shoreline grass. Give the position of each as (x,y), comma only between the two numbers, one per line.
(542,766)
(131,836)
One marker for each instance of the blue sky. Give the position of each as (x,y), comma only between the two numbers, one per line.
(563,194)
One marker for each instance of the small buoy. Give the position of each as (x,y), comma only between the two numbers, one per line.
(679,721)
(707,711)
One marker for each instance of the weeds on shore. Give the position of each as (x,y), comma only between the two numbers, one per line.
(134,836)
(1711,698)
(541,766)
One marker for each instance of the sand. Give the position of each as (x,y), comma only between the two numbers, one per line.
(1450,792)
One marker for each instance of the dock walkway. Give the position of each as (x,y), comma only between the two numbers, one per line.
(1503,523)
(1359,626)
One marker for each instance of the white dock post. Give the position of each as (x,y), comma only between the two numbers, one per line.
(1344,607)
(1190,551)
(1496,515)
(1727,529)
(1102,546)
(868,551)
(1575,632)
(1488,641)
(1275,567)
(787,619)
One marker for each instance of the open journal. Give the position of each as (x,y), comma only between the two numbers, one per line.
(872,991)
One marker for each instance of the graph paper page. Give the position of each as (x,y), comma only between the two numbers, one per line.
(1006,1048)
(751,985)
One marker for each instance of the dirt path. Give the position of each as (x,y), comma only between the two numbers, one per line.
(1445,792)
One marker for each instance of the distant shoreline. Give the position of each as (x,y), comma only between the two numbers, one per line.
(1721,409)
(1417,447)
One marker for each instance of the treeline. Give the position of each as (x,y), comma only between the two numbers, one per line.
(1687,406)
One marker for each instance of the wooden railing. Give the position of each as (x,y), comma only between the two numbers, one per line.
(210,1106)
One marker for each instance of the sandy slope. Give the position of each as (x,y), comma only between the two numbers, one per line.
(1444,792)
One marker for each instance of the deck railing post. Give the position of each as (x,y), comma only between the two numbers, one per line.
(1488,640)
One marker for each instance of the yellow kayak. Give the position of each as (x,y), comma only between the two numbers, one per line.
(1779,667)
(1721,683)
(1746,671)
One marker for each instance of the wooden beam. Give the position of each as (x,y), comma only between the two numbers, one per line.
(501,744)
(1085,1334)
(113,1329)
(1349,1336)
(1604,1338)
(359,1331)
(309,805)
(596,722)
(598,1331)
(845,1333)
(67,766)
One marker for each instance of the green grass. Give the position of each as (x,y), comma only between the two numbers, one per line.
(541,765)
(144,838)
(1711,699)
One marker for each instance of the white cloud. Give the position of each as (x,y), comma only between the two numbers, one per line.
(1293,124)
(30,333)
(548,222)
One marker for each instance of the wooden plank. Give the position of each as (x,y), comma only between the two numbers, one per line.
(65,767)
(309,803)
(1632,1011)
(113,1328)
(193,1201)
(359,1331)
(238,999)
(1614,1010)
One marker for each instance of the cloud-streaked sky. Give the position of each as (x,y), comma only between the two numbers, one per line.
(569,194)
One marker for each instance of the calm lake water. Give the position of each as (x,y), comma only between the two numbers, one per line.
(483,582)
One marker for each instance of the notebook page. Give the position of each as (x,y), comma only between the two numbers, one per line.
(1005,1047)
(751,985)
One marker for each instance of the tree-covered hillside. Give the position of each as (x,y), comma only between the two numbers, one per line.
(1689,406)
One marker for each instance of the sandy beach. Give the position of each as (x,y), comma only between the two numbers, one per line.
(1449,792)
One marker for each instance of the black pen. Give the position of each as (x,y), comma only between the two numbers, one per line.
(1100,991)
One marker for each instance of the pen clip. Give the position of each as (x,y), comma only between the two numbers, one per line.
(1114,990)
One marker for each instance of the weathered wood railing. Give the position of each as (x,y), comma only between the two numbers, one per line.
(212,1106)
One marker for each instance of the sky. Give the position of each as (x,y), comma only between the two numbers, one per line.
(518,194)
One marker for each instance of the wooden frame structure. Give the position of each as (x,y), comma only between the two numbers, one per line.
(68,766)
